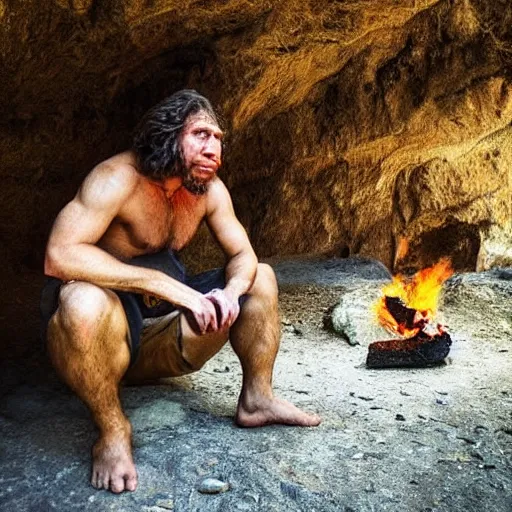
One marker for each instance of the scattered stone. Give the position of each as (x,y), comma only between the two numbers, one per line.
(213,486)
(399,417)
(476,455)
(440,401)
(467,439)
(487,466)
(297,331)
(166,504)
(387,493)
(370,487)
(290,489)
(220,370)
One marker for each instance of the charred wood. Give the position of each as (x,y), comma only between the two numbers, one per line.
(420,351)
(400,312)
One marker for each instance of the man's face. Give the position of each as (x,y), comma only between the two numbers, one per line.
(201,148)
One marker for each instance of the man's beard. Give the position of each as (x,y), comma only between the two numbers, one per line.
(194,185)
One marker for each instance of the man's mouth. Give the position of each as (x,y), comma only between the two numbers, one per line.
(206,169)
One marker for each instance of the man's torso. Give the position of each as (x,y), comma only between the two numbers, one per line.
(149,221)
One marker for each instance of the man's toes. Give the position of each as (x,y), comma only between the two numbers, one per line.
(131,483)
(117,485)
(94,479)
(104,482)
(315,420)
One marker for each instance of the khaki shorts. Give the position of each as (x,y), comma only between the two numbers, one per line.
(160,350)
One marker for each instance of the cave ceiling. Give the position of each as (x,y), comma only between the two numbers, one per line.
(374,128)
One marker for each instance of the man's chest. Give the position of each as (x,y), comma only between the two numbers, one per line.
(160,223)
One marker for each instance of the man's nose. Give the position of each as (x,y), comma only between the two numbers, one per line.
(212,147)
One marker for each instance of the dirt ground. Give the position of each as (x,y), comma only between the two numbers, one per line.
(429,439)
(426,439)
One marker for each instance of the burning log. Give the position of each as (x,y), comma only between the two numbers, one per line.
(418,351)
(400,312)
(407,308)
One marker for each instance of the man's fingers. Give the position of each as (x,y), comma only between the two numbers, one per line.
(205,316)
(212,318)
(218,298)
(229,316)
(227,309)
(211,324)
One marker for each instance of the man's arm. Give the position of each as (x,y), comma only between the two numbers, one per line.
(72,253)
(232,238)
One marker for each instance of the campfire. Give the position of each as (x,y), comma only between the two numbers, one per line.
(407,308)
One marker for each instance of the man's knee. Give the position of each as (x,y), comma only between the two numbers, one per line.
(83,308)
(265,283)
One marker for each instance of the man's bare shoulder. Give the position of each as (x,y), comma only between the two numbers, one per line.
(116,175)
(217,195)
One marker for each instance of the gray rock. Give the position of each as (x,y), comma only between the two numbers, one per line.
(353,317)
(213,486)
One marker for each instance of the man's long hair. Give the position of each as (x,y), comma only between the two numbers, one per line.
(156,139)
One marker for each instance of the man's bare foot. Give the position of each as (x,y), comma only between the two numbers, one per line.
(112,464)
(265,411)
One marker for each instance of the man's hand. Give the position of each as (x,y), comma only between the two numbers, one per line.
(204,315)
(227,307)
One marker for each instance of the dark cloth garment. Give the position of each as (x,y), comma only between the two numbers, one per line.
(137,306)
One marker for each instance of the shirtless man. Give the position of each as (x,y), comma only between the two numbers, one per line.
(111,262)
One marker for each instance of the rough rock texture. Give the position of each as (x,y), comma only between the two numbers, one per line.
(378,128)
(413,440)
(363,121)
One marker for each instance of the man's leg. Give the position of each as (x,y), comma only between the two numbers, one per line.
(165,352)
(87,342)
(255,338)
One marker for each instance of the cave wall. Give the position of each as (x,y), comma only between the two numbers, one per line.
(378,128)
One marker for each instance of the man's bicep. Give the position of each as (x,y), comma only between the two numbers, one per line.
(87,217)
(77,223)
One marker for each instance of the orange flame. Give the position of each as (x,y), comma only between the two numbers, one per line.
(421,292)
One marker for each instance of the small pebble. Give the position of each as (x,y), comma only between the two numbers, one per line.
(212,486)
(167,504)
(221,370)
(400,417)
